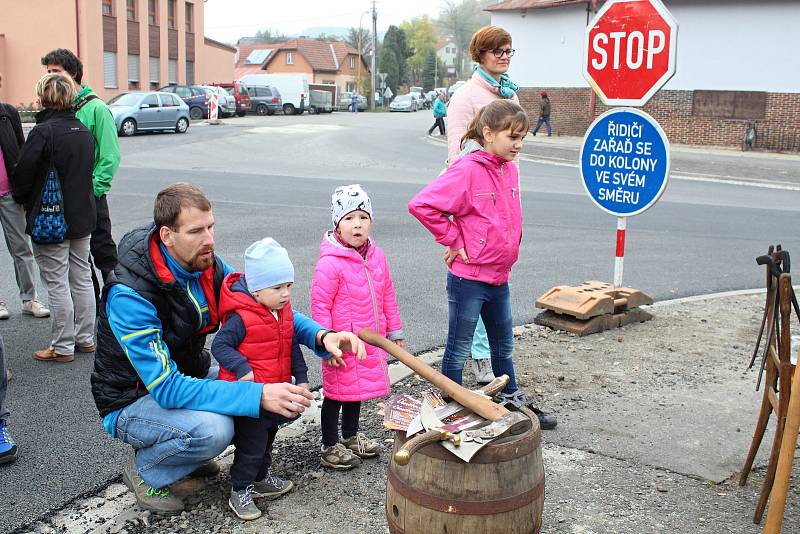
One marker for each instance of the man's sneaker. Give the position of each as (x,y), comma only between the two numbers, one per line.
(156,500)
(210,469)
(338,457)
(8,449)
(271,486)
(241,502)
(517,400)
(3,311)
(362,446)
(35,308)
(482,369)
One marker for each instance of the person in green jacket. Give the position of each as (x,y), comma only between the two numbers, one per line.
(95,115)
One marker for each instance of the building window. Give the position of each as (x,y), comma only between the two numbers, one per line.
(189,17)
(131,10)
(155,67)
(171,14)
(352,62)
(172,71)
(108,7)
(152,12)
(110,70)
(133,68)
(190,72)
(289,58)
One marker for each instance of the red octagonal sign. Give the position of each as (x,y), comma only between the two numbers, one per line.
(630,51)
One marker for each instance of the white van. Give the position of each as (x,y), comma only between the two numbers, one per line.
(290,86)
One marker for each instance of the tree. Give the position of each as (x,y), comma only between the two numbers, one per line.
(421,34)
(433,72)
(461,21)
(359,38)
(393,57)
(265,37)
(390,65)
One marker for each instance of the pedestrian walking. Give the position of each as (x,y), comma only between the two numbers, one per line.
(12,215)
(474,209)
(439,113)
(354,103)
(152,382)
(95,115)
(54,174)
(353,289)
(544,115)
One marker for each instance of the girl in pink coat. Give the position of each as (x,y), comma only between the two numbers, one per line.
(474,210)
(353,289)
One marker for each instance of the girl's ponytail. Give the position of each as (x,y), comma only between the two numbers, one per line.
(498,115)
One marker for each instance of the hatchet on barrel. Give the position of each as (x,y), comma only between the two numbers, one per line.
(501,419)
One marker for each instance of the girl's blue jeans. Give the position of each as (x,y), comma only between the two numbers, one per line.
(468,300)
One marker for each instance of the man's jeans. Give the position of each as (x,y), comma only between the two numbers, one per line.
(468,299)
(170,444)
(546,122)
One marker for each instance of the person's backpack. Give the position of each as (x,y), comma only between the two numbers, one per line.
(48,224)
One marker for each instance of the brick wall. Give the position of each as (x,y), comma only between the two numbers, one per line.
(779,130)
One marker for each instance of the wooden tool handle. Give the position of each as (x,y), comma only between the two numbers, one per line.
(403,456)
(466,398)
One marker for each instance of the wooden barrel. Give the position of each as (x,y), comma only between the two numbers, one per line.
(501,490)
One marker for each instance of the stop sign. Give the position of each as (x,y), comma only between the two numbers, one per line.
(630,51)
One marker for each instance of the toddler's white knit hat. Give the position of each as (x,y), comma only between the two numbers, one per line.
(349,198)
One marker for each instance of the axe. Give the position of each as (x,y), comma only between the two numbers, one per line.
(501,418)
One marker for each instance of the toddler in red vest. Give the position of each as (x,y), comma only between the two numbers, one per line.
(258,341)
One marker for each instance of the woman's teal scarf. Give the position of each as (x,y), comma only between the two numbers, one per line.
(505,87)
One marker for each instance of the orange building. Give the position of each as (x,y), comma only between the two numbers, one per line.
(123,44)
(328,62)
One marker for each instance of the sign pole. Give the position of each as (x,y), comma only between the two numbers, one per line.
(620,253)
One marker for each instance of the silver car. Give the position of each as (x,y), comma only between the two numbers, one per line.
(403,103)
(225,101)
(149,110)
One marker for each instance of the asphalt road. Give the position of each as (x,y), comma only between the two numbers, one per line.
(273,176)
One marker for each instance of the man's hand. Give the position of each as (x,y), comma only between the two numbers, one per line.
(400,343)
(285,399)
(248,377)
(336,342)
(450,255)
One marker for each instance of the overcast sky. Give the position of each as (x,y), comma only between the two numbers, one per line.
(227,20)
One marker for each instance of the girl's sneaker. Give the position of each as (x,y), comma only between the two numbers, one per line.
(362,446)
(338,457)
(241,502)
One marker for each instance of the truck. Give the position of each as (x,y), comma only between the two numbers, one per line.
(320,102)
(290,86)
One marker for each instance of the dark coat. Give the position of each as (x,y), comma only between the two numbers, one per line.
(72,149)
(11,136)
(545,109)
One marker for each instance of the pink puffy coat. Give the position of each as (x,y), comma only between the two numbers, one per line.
(350,293)
(481,192)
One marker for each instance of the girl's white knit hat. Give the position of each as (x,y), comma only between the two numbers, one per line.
(349,198)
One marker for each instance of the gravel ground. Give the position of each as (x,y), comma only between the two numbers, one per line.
(654,422)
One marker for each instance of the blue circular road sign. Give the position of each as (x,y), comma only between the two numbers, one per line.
(624,161)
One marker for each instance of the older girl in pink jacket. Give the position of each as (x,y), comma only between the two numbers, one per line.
(353,289)
(474,210)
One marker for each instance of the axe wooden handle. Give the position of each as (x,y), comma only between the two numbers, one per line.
(466,398)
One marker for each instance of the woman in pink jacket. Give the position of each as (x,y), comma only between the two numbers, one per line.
(490,48)
(353,289)
(474,210)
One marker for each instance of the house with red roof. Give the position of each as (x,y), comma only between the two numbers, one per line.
(325,62)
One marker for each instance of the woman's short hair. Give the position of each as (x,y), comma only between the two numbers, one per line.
(55,91)
(487,38)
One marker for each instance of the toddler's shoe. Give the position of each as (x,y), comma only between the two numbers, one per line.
(241,502)
(338,457)
(362,446)
(272,486)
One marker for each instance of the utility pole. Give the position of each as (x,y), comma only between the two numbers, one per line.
(374,53)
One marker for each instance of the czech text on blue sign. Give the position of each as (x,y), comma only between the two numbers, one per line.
(625,161)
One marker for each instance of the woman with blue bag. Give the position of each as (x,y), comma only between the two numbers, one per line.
(53,181)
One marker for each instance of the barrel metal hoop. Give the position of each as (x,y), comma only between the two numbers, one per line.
(453,506)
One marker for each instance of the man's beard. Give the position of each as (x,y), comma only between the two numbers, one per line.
(199,262)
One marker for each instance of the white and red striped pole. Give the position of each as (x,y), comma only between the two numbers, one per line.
(620,254)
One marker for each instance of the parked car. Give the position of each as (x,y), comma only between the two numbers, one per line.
(149,110)
(226,103)
(418,99)
(320,102)
(403,103)
(264,99)
(240,93)
(345,99)
(290,86)
(455,87)
(195,96)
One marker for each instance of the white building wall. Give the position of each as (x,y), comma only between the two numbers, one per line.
(742,45)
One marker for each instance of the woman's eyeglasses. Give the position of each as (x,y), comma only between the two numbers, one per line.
(498,52)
